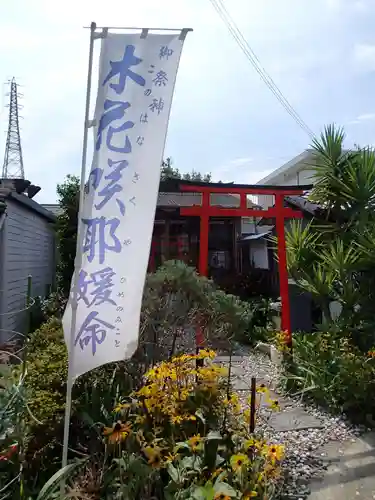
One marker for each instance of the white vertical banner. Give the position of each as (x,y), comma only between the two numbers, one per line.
(137,74)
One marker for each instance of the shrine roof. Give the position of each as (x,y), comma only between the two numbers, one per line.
(176,185)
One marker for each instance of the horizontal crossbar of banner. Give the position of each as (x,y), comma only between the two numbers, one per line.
(137,29)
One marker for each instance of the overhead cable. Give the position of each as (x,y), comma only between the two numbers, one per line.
(254,61)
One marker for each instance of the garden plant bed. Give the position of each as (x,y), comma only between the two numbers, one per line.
(304,430)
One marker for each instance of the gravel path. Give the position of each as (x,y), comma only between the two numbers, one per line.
(303,460)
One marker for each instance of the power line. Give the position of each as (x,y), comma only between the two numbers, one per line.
(251,56)
(253,59)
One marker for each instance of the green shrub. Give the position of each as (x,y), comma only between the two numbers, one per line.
(47,370)
(54,305)
(93,397)
(259,321)
(176,299)
(334,373)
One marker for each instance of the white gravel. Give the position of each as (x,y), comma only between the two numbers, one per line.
(303,455)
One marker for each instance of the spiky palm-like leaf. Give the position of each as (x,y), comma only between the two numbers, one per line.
(345,180)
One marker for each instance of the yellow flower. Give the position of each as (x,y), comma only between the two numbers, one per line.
(271,471)
(233,402)
(281,341)
(253,443)
(121,406)
(155,460)
(221,496)
(150,450)
(117,433)
(275,452)
(158,372)
(169,458)
(217,472)
(205,353)
(177,419)
(274,404)
(140,419)
(238,461)
(371,353)
(262,388)
(194,442)
(251,494)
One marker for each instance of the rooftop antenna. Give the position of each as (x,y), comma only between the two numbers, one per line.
(13,161)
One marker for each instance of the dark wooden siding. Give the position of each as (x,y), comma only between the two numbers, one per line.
(27,249)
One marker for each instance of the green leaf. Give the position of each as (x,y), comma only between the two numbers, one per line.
(199,493)
(219,461)
(54,482)
(225,489)
(173,472)
(199,414)
(181,444)
(206,492)
(192,462)
(214,435)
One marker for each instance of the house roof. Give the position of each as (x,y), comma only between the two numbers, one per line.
(53,207)
(176,185)
(32,205)
(289,168)
(15,188)
(296,164)
(256,236)
(170,194)
(305,205)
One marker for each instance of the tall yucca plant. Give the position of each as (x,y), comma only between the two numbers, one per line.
(336,260)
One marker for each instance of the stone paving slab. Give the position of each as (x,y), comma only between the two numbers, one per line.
(225,359)
(351,471)
(240,384)
(243,386)
(237,370)
(295,419)
(288,419)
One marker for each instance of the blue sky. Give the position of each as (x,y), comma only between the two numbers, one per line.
(224,119)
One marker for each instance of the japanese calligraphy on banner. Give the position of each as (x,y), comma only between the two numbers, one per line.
(136,81)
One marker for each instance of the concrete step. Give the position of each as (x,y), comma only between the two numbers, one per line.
(351,470)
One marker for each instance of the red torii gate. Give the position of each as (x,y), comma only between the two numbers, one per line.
(278,212)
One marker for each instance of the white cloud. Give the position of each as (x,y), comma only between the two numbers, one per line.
(356,6)
(247,170)
(364,56)
(238,162)
(365,117)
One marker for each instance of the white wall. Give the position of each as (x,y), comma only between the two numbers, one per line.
(266,201)
(300,178)
(247,225)
(259,254)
